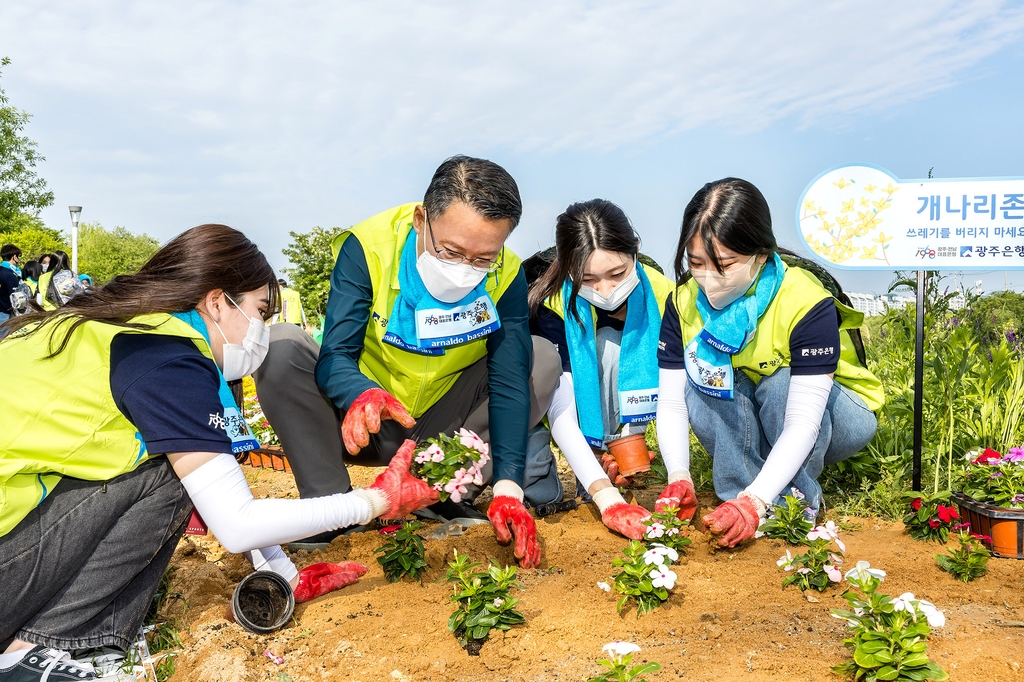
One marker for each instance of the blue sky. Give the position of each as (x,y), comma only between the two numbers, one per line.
(278,116)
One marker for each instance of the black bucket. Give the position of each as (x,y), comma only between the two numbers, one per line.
(263,602)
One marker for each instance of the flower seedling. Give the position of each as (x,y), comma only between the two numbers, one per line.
(969,561)
(929,518)
(646,576)
(890,636)
(402,553)
(665,528)
(818,567)
(620,657)
(791,521)
(450,463)
(997,479)
(483,601)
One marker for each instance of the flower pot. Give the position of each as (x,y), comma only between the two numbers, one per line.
(278,462)
(1004,526)
(254,459)
(630,454)
(263,602)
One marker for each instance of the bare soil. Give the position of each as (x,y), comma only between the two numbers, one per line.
(727,619)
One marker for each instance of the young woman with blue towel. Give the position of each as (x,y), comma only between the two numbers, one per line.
(602,309)
(755,356)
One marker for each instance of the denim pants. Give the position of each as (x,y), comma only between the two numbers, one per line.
(81,569)
(739,433)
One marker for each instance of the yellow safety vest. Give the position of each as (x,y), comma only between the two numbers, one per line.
(291,306)
(418,381)
(44,285)
(769,349)
(68,425)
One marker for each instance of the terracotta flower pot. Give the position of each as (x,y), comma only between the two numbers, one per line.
(1004,526)
(630,454)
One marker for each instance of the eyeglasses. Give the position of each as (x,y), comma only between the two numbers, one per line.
(456,258)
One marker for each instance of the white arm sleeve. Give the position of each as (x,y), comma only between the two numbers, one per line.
(565,429)
(272,559)
(222,497)
(805,405)
(674,423)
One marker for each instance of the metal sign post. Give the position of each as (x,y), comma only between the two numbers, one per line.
(919,380)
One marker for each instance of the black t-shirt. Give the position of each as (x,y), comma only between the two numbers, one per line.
(169,391)
(548,325)
(813,344)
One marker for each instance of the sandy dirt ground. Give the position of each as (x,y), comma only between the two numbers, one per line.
(727,619)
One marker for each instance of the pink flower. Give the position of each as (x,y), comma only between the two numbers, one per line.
(422,458)
(471,440)
(834,574)
(434,453)
(829,531)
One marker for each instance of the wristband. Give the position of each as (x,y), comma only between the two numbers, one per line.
(606,497)
(507,488)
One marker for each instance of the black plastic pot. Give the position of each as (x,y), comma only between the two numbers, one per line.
(263,602)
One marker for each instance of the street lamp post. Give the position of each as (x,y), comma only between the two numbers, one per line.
(76,213)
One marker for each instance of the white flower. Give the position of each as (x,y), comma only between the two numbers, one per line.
(655,530)
(605,586)
(663,576)
(498,602)
(863,569)
(827,532)
(796,493)
(652,556)
(935,617)
(904,602)
(786,561)
(672,531)
(619,649)
(667,551)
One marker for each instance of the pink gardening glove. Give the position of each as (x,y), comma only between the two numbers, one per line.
(364,415)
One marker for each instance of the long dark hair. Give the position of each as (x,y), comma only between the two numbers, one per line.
(732,211)
(174,280)
(581,230)
(59,261)
(31,270)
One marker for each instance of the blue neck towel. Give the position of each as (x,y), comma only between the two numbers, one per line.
(638,360)
(419,323)
(726,332)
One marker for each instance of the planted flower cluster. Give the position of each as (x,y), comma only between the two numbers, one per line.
(929,518)
(996,478)
(450,463)
(818,567)
(402,553)
(482,599)
(646,574)
(970,560)
(620,666)
(790,521)
(889,639)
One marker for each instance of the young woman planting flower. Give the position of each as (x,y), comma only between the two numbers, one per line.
(755,356)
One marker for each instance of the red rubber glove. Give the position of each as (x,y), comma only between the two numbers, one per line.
(318,579)
(505,510)
(403,493)
(626,519)
(364,415)
(611,468)
(679,494)
(735,520)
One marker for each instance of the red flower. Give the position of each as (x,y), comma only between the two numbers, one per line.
(946,513)
(934,523)
(987,456)
(983,538)
(916,504)
(961,526)
(386,530)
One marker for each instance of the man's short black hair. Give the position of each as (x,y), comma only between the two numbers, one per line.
(9,251)
(483,185)
(282,283)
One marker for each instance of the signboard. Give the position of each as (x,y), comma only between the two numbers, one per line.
(863,217)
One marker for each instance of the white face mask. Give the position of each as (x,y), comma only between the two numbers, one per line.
(447,282)
(616,297)
(723,289)
(240,361)
(45,266)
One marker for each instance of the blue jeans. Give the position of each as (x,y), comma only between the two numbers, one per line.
(739,433)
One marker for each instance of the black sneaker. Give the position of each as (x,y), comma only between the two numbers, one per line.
(463,512)
(322,540)
(43,663)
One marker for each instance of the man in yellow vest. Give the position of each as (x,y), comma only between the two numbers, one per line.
(426,331)
(291,306)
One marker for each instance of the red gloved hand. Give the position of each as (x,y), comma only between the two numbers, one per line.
(403,492)
(735,520)
(678,494)
(611,468)
(626,519)
(318,579)
(505,510)
(364,415)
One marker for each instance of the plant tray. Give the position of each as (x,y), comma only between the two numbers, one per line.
(270,457)
(1004,526)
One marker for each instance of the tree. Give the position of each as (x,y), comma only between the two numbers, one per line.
(311,277)
(21,189)
(104,254)
(31,235)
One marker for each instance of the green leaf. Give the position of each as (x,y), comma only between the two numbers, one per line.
(887,673)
